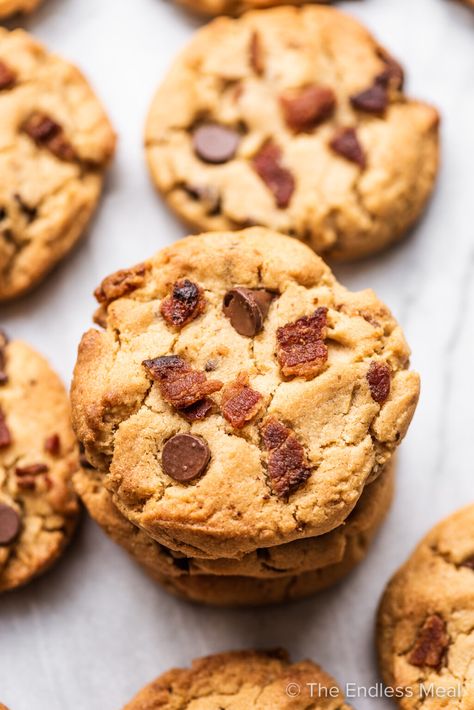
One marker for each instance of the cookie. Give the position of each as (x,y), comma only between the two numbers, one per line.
(38,456)
(294,119)
(239,680)
(233,7)
(217,443)
(338,550)
(425,622)
(55,144)
(11,7)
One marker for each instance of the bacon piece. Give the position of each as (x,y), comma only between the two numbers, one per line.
(287,465)
(301,349)
(240,403)
(378,377)
(184,304)
(179,384)
(306,107)
(279,180)
(431,643)
(121,283)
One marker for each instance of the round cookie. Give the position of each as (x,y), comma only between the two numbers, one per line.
(293,119)
(10,7)
(282,561)
(239,680)
(38,456)
(55,144)
(297,419)
(426,619)
(234,7)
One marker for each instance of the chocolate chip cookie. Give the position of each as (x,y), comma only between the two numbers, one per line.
(11,7)
(425,623)
(55,144)
(239,680)
(294,119)
(38,456)
(237,396)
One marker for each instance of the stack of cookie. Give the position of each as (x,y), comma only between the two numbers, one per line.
(239,411)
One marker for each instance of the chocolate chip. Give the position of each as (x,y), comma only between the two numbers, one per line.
(185,457)
(29,212)
(256,54)
(214,143)
(247,309)
(52,445)
(47,133)
(10,524)
(7,76)
(379,378)
(371,100)
(3,213)
(5,435)
(278,179)
(305,108)
(3,358)
(393,74)
(346,143)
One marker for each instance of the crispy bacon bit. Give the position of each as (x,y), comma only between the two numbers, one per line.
(378,377)
(240,403)
(179,384)
(431,643)
(3,358)
(121,283)
(198,411)
(7,76)
(5,436)
(34,469)
(52,445)
(371,100)
(185,303)
(301,349)
(304,108)
(287,466)
(279,180)
(345,143)
(256,54)
(47,133)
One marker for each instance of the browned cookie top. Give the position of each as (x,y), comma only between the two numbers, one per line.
(38,456)
(297,120)
(217,442)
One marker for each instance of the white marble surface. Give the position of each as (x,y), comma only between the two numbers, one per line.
(95,629)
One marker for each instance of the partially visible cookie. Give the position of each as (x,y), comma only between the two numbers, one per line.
(235,7)
(240,680)
(426,620)
(238,397)
(38,456)
(55,144)
(10,7)
(294,119)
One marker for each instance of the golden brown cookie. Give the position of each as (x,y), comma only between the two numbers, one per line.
(38,456)
(216,442)
(11,7)
(55,145)
(235,7)
(239,680)
(294,119)
(426,620)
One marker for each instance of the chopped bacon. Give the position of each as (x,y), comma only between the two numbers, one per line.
(287,465)
(240,403)
(179,384)
(301,349)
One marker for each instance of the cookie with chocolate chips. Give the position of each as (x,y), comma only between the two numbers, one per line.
(218,439)
(240,680)
(294,119)
(38,456)
(55,145)
(425,623)
(12,7)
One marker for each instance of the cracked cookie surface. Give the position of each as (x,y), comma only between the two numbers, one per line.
(11,7)
(426,619)
(338,547)
(240,680)
(321,437)
(38,456)
(55,144)
(294,119)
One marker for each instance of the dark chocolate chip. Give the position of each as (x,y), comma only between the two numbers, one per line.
(214,143)
(185,457)
(346,144)
(372,100)
(3,213)
(10,524)
(247,309)
(52,444)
